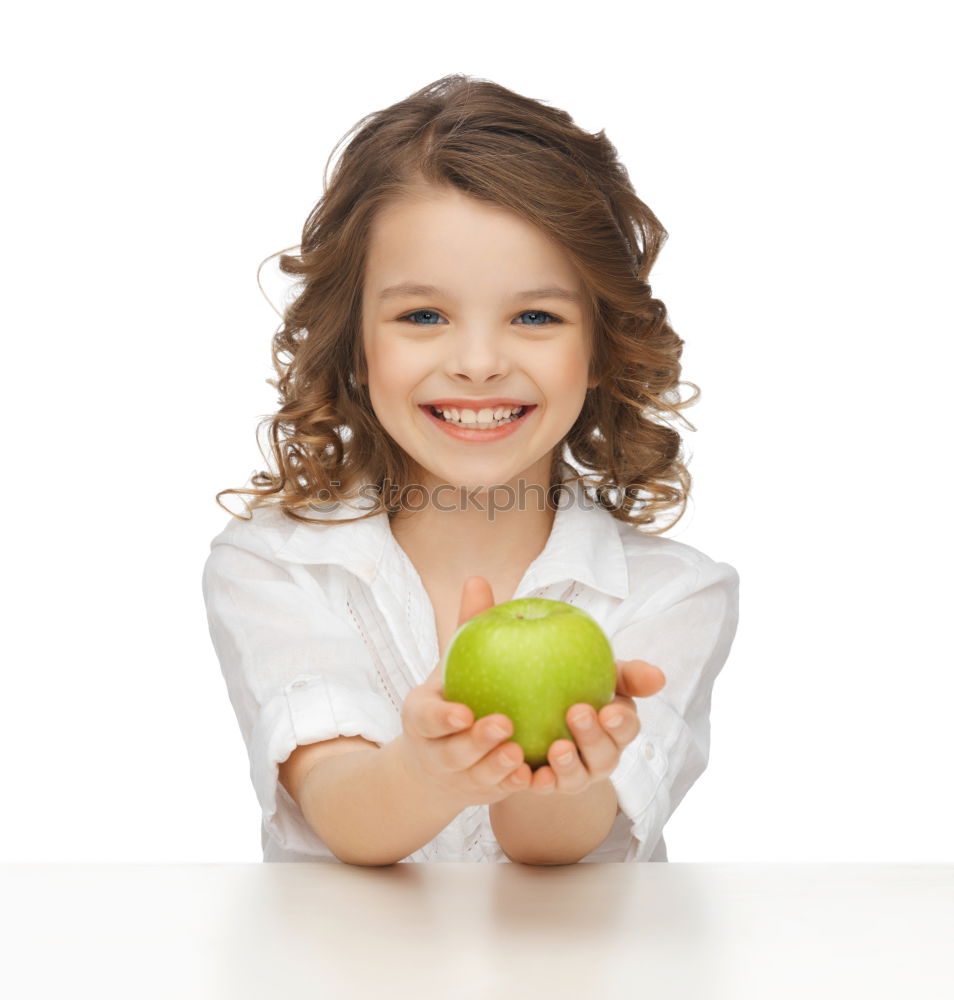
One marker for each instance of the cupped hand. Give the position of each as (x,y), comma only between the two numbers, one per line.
(600,737)
(472,763)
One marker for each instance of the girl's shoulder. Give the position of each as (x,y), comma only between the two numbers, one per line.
(346,537)
(264,530)
(658,562)
(642,545)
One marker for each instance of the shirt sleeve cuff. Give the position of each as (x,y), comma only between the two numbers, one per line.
(642,780)
(307,710)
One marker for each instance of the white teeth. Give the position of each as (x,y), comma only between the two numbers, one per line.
(485,417)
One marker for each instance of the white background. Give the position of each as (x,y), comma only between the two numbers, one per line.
(798,157)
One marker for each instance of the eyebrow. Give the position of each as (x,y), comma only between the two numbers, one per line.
(412,288)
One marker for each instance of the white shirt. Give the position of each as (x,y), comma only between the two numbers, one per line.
(322,630)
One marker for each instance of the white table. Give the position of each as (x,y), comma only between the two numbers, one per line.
(276,931)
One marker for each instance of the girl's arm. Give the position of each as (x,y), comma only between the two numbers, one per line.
(376,806)
(554,829)
(571,806)
(369,807)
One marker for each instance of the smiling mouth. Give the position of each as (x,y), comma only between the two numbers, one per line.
(478,425)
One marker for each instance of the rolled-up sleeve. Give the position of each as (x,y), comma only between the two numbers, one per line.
(686,629)
(296,671)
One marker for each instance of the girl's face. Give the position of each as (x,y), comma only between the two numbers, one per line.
(479,333)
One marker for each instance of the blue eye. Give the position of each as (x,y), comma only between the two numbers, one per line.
(550,318)
(419,312)
(539,312)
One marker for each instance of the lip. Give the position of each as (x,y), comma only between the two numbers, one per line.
(474,435)
(491,402)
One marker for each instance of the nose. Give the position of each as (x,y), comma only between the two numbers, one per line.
(477,354)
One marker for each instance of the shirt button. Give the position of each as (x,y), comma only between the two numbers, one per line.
(649,751)
(299,684)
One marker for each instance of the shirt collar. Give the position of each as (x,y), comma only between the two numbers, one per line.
(584,544)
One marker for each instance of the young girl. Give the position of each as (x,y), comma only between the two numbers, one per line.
(473,309)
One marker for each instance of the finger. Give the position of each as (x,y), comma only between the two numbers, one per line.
(427,713)
(543,780)
(455,717)
(639,679)
(462,750)
(571,775)
(477,596)
(595,747)
(499,765)
(623,712)
(518,779)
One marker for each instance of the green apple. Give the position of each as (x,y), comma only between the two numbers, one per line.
(530,659)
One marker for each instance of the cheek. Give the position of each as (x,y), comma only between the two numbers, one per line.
(392,370)
(567,372)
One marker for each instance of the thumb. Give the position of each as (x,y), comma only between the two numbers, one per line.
(477,596)
(639,679)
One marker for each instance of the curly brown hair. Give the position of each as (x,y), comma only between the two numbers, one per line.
(512,151)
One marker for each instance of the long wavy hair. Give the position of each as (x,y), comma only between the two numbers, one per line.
(512,151)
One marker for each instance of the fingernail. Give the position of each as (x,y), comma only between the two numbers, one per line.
(457,722)
(615,721)
(496,732)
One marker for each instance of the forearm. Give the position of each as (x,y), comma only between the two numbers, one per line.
(370,809)
(555,829)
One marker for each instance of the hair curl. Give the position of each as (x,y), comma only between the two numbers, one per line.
(512,151)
